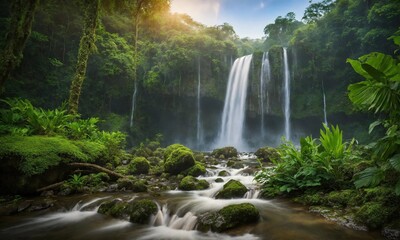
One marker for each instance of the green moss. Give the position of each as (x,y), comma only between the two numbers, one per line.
(122,169)
(189,183)
(219,180)
(139,165)
(340,198)
(238,214)
(225,153)
(140,211)
(232,189)
(311,199)
(133,184)
(373,214)
(114,208)
(35,154)
(179,160)
(168,150)
(265,154)
(197,170)
(223,173)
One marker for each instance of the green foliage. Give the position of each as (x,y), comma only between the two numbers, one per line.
(76,182)
(380,93)
(373,214)
(313,165)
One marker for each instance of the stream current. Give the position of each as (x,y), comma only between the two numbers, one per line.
(177,217)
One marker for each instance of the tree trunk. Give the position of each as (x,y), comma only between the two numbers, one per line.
(98,168)
(86,47)
(22,12)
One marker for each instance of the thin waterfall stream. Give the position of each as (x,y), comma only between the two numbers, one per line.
(286,88)
(199,132)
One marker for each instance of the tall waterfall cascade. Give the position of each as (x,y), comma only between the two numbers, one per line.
(286,94)
(265,77)
(133,104)
(233,115)
(199,130)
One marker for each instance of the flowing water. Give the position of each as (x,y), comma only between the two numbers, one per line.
(177,217)
(233,115)
(286,93)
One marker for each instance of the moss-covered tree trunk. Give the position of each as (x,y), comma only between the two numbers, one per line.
(86,47)
(22,12)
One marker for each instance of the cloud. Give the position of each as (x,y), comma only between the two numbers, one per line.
(204,11)
(262,5)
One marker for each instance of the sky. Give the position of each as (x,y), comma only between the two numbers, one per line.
(248,17)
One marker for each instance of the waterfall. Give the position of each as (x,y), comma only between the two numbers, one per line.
(233,114)
(286,94)
(133,103)
(265,77)
(199,132)
(324,99)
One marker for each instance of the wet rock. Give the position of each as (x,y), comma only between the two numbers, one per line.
(24,205)
(197,170)
(41,205)
(133,185)
(140,211)
(234,164)
(223,173)
(189,183)
(115,208)
(219,180)
(229,217)
(265,154)
(232,189)
(391,233)
(225,153)
(338,216)
(139,165)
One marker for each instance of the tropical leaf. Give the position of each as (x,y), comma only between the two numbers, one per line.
(370,177)
(395,162)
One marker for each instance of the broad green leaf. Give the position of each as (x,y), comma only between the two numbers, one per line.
(374,73)
(395,162)
(356,64)
(370,177)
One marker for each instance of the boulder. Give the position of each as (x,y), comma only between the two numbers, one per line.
(225,153)
(178,159)
(232,189)
(189,183)
(265,154)
(229,217)
(139,165)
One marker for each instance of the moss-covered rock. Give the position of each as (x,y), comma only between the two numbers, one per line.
(133,185)
(197,170)
(140,211)
(218,180)
(223,173)
(373,214)
(340,198)
(139,165)
(189,183)
(179,158)
(115,208)
(225,153)
(232,189)
(229,217)
(265,154)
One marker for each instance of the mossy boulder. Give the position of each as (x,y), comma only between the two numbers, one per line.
(218,180)
(232,189)
(197,170)
(139,165)
(265,154)
(225,152)
(373,214)
(229,217)
(178,159)
(133,185)
(115,208)
(223,173)
(189,183)
(140,211)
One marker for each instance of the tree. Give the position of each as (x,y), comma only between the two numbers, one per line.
(316,10)
(86,47)
(22,13)
(281,30)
